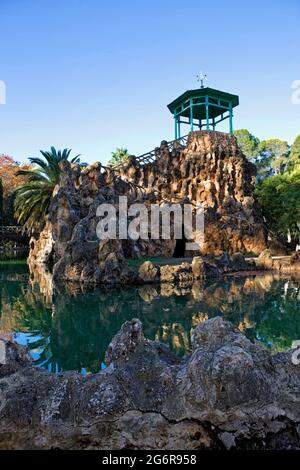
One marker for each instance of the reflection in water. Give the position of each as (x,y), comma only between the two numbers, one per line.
(70,329)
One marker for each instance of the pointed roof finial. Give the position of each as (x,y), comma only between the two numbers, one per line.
(200,78)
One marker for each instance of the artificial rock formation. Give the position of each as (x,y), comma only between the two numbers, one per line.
(228,393)
(210,170)
(283,264)
(200,268)
(76,253)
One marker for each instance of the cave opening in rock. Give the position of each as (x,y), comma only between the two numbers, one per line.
(179,251)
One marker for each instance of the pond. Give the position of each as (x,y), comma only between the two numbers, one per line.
(71,328)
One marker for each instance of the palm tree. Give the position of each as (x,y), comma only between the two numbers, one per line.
(31,200)
(119,156)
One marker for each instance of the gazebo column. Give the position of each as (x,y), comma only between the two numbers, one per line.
(230,119)
(177,127)
(207,114)
(191,116)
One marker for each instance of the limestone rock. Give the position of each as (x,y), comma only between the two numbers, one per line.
(125,342)
(239,263)
(148,272)
(198,267)
(228,393)
(295,258)
(210,171)
(13,357)
(41,247)
(177,274)
(265,260)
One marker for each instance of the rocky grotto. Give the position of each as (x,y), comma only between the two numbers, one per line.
(210,169)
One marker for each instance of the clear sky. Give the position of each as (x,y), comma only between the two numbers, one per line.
(92,75)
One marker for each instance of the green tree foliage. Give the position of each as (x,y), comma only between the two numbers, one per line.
(295,153)
(119,156)
(273,157)
(278,176)
(270,156)
(279,199)
(10,181)
(32,199)
(248,143)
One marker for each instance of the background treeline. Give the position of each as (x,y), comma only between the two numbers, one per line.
(9,181)
(278,183)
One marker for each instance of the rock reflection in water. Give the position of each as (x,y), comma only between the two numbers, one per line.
(69,328)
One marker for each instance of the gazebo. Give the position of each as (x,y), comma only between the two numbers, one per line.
(203,108)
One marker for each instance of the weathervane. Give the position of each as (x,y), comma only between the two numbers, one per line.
(200,78)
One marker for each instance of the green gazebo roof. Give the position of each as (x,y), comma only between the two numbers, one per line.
(215,97)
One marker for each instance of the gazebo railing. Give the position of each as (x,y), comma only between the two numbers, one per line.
(151,156)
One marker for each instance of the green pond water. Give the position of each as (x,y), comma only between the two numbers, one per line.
(70,329)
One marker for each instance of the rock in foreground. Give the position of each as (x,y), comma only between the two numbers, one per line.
(229,393)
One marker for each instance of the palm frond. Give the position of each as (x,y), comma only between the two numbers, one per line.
(32,200)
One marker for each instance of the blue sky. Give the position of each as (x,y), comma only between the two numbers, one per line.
(92,75)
